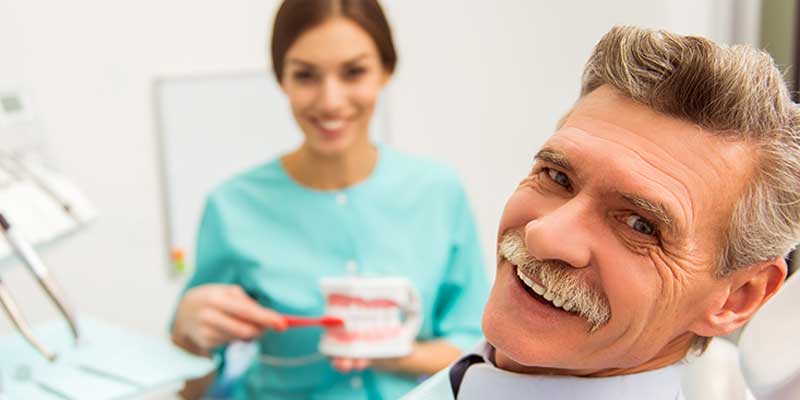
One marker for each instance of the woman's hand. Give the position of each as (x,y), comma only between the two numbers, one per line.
(345,365)
(426,358)
(214,314)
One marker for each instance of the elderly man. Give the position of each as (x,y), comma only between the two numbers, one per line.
(656,217)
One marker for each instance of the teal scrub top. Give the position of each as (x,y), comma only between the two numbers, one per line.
(275,238)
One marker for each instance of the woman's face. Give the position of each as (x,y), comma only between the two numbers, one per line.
(333,76)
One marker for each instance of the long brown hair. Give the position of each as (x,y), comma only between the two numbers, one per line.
(297,16)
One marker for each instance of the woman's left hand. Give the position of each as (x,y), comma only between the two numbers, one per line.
(426,358)
(345,365)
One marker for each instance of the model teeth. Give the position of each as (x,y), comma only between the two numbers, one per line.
(366,319)
(558,302)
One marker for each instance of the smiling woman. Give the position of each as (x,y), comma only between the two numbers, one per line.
(337,205)
(332,59)
(332,95)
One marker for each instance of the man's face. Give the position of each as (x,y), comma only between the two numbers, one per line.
(630,207)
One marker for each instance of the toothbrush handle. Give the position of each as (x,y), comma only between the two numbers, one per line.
(295,321)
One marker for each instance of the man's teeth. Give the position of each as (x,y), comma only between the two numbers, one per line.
(558,302)
(537,288)
(332,124)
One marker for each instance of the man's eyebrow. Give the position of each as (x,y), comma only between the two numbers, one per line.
(662,213)
(554,157)
(658,209)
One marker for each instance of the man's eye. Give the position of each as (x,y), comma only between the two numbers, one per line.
(641,225)
(560,178)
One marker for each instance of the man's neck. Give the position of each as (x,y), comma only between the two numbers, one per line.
(673,352)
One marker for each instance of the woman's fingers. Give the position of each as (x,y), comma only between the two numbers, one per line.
(241,306)
(230,327)
(214,314)
(360,364)
(345,365)
(206,339)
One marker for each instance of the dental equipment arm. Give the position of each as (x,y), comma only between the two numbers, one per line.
(13,312)
(29,257)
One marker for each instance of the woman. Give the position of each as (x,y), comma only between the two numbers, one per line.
(336,205)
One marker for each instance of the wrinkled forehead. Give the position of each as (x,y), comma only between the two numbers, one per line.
(688,155)
(668,142)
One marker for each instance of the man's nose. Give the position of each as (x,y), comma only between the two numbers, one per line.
(332,95)
(562,234)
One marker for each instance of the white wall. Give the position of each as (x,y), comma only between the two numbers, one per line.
(480,85)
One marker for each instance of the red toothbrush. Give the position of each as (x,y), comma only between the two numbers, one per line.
(328,322)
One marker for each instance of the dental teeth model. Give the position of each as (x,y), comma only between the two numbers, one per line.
(381,315)
(368,320)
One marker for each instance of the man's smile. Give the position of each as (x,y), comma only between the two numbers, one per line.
(542,294)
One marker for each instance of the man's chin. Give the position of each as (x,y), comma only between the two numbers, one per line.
(505,338)
(508,355)
(517,351)
(511,354)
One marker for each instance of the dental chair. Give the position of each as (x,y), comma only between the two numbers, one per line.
(716,375)
(765,362)
(769,347)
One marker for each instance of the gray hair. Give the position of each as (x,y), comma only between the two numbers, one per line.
(736,92)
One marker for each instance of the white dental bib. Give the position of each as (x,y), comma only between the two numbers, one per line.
(485,381)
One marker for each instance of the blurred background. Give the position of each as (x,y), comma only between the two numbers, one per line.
(480,85)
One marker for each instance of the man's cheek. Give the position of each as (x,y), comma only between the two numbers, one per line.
(674,276)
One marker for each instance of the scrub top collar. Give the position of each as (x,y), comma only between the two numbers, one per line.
(375,175)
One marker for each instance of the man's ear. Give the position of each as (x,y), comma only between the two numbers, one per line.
(747,290)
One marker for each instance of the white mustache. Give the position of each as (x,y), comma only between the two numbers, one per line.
(589,302)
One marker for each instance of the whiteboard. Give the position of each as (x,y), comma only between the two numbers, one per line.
(213,126)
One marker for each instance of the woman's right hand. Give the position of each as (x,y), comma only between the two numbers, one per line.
(214,314)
